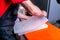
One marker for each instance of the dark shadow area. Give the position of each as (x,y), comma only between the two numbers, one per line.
(58,1)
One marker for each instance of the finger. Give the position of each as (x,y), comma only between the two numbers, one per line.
(36,13)
(44,13)
(21,16)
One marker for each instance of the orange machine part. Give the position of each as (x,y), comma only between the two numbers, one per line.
(50,33)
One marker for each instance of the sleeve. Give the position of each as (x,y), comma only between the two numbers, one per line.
(17,1)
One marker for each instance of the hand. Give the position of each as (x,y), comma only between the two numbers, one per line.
(32,9)
(37,12)
(21,16)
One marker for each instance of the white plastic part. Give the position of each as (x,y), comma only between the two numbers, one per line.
(30,25)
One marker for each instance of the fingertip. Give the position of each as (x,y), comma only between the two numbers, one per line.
(44,13)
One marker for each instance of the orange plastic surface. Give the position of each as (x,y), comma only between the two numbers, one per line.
(50,33)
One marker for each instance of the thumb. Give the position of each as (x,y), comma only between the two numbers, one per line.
(22,16)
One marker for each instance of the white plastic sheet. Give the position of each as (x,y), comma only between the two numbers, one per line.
(30,25)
